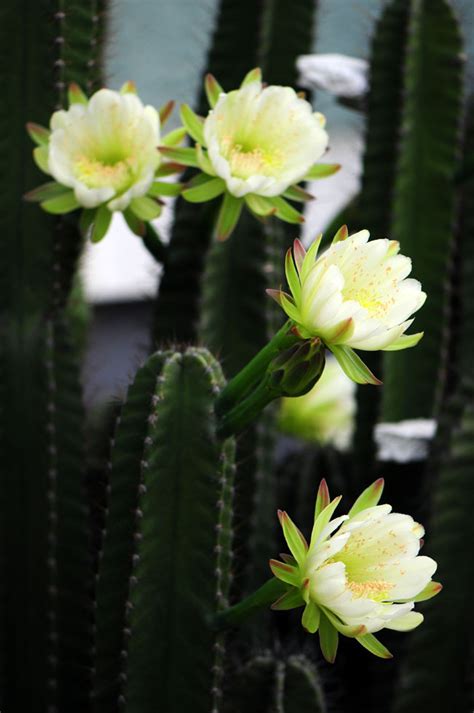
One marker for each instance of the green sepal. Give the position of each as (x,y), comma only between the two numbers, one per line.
(341,234)
(349,630)
(164,188)
(145,208)
(322,170)
(285,211)
(255,75)
(75,95)
(293,537)
(204,161)
(166,111)
(39,134)
(184,156)
(40,156)
(136,225)
(292,599)
(372,644)
(167,169)
(368,498)
(85,221)
(175,137)
(322,520)
(311,617)
(259,205)
(46,192)
(328,639)
(206,191)
(192,123)
(285,572)
(430,591)
(64,203)
(405,341)
(353,366)
(100,225)
(322,499)
(295,193)
(128,87)
(292,276)
(229,215)
(213,90)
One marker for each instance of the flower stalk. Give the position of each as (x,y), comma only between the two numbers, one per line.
(262,598)
(239,387)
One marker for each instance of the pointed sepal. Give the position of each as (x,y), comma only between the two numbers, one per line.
(229,215)
(368,498)
(75,95)
(193,123)
(213,90)
(255,75)
(322,170)
(353,366)
(39,134)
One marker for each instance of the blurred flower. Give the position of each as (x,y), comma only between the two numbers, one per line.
(325,414)
(255,144)
(364,578)
(356,295)
(103,154)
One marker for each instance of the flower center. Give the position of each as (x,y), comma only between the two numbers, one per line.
(246,160)
(366,298)
(94,173)
(377,590)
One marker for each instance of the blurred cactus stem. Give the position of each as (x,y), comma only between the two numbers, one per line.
(293,371)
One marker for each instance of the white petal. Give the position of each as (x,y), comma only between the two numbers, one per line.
(407,622)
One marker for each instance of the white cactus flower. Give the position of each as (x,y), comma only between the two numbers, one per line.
(325,414)
(254,146)
(261,140)
(356,295)
(364,578)
(103,155)
(105,150)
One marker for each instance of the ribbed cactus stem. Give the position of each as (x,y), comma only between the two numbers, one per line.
(166,564)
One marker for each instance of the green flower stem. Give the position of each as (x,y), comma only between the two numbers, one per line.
(153,243)
(264,597)
(246,411)
(240,385)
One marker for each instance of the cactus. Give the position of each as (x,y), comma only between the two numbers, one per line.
(166,559)
(452,526)
(272,683)
(424,195)
(384,105)
(46,607)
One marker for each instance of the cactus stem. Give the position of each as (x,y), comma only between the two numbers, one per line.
(242,383)
(262,598)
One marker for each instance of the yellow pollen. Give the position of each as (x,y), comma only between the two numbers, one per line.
(376,589)
(245,162)
(95,174)
(366,299)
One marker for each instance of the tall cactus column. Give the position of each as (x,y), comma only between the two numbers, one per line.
(424,197)
(165,568)
(45,606)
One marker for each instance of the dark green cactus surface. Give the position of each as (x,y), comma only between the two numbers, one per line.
(165,566)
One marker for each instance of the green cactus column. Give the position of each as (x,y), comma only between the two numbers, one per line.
(384,108)
(45,614)
(424,198)
(165,567)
